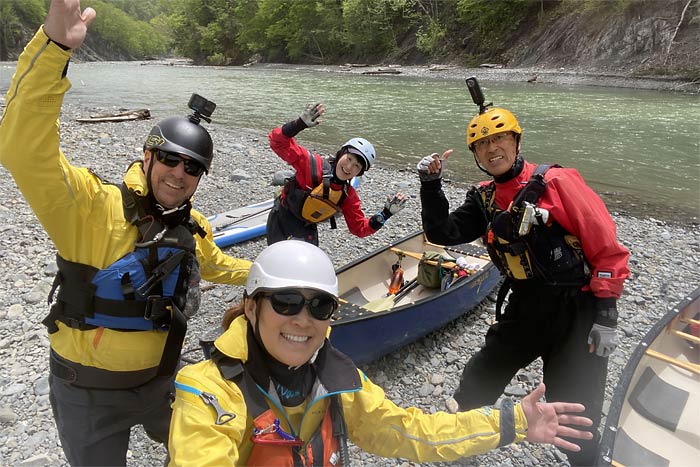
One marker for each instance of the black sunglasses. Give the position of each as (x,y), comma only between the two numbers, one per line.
(290,303)
(192,167)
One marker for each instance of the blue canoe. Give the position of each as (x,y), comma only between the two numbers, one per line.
(415,311)
(245,223)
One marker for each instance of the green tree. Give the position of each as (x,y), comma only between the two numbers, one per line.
(296,30)
(376,27)
(123,33)
(144,10)
(491,23)
(14,15)
(207,30)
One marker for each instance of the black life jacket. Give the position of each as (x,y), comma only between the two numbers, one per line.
(320,203)
(147,289)
(546,254)
(327,445)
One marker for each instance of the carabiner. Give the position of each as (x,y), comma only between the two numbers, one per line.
(281,432)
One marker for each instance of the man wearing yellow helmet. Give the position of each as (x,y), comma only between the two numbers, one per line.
(554,241)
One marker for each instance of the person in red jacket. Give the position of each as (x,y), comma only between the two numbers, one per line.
(554,241)
(321,187)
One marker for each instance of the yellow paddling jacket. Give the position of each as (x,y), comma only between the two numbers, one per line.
(82,215)
(374,423)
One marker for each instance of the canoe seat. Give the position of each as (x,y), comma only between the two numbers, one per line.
(630,453)
(355,296)
(657,400)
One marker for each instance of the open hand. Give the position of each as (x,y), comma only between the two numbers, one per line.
(395,203)
(66,24)
(310,115)
(546,421)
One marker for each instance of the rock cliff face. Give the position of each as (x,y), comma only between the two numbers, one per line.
(649,36)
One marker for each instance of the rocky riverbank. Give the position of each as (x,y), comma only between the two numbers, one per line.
(532,75)
(663,264)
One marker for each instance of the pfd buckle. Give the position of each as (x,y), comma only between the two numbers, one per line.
(157,310)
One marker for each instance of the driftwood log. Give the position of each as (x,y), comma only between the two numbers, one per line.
(383,71)
(139,114)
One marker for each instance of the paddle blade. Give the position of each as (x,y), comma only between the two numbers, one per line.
(380,304)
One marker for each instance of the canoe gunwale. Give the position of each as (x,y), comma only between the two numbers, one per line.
(607,442)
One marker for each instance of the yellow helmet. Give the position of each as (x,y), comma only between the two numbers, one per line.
(494,120)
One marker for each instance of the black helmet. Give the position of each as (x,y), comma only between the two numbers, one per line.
(181,135)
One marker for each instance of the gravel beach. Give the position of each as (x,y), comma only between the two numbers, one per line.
(664,259)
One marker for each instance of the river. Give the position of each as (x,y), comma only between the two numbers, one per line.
(639,149)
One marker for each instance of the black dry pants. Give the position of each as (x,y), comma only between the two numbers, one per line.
(552,324)
(283,225)
(94,425)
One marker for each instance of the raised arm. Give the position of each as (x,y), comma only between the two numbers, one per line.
(66,24)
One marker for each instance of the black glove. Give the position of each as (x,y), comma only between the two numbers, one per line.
(424,165)
(311,114)
(603,336)
(394,204)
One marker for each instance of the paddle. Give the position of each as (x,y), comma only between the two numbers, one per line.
(240,219)
(486,257)
(387,302)
(418,256)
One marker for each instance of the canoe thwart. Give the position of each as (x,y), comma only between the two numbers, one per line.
(686,336)
(694,367)
(419,257)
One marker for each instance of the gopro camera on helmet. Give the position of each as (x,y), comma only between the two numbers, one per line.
(203,108)
(477,95)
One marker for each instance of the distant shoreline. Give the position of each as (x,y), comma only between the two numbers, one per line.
(565,77)
(523,75)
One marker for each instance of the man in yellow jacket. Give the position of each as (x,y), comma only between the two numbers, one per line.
(130,258)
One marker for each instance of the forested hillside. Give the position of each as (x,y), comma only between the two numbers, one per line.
(628,36)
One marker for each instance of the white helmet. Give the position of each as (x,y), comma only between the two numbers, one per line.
(362,148)
(292,264)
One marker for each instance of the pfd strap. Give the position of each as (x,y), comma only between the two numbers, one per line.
(233,370)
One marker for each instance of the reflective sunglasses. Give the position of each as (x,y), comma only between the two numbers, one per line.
(290,303)
(192,167)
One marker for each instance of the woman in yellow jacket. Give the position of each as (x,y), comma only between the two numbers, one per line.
(275,391)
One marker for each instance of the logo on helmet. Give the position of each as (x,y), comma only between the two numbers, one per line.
(154,140)
(484,130)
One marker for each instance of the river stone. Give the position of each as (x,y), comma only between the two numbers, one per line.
(39,460)
(7,415)
(41,386)
(15,311)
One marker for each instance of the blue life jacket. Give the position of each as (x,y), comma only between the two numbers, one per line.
(154,287)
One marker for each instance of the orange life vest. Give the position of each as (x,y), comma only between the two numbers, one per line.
(319,204)
(272,444)
(270,447)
